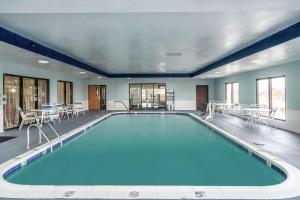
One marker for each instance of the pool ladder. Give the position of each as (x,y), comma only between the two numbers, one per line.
(41,133)
(121,102)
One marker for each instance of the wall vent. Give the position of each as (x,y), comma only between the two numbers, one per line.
(174,54)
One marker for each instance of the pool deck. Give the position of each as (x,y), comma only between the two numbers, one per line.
(283,144)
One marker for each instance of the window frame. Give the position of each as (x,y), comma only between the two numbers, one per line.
(21,91)
(65,91)
(141,87)
(270,92)
(232,91)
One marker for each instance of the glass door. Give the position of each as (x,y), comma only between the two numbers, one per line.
(102,97)
(64,92)
(12,92)
(25,92)
(60,92)
(43,92)
(29,94)
(69,93)
(159,97)
(135,96)
(147,96)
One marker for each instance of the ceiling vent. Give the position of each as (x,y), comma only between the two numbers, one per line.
(174,54)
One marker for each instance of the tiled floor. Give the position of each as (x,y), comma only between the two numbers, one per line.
(281,143)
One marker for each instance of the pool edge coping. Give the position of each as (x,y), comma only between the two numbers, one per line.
(286,189)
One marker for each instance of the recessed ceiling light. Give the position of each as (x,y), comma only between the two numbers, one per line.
(82,72)
(203,77)
(99,77)
(217,72)
(43,61)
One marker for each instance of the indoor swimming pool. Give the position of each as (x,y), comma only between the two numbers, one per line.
(149,149)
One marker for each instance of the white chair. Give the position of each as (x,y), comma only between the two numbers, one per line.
(28,117)
(78,108)
(52,114)
(272,120)
(61,109)
(69,112)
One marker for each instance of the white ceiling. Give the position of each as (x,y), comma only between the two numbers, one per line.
(280,54)
(11,56)
(144,6)
(135,39)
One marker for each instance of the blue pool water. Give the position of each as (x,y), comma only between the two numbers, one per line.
(149,150)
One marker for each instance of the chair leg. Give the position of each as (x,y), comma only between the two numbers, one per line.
(21,125)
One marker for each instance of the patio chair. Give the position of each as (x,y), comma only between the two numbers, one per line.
(78,108)
(53,113)
(26,117)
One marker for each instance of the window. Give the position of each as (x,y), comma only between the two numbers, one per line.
(271,94)
(147,96)
(26,92)
(64,92)
(232,93)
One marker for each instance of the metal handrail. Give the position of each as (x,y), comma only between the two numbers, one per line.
(40,136)
(122,102)
(60,139)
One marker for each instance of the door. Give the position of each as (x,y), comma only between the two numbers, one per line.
(201,97)
(64,92)
(43,92)
(102,97)
(94,97)
(69,93)
(25,92)
(29,94)
(147,96)
(12,91)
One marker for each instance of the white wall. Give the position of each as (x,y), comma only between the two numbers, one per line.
(185,90)
(52,75)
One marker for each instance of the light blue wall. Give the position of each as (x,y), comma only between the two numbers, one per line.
(247,90)
(247,84)
(185,89)
(43,72)
(25,69)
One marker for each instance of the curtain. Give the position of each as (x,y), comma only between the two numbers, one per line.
(12,92)
(42,92)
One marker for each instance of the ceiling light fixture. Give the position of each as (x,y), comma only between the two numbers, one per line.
(99,77)
(217,72)
(203,77)
(128,78)
(43,61)
(82,72)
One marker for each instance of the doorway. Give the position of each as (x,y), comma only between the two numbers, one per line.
(25,92)
(143,96)
(64,92)
(97,97)
(201,97)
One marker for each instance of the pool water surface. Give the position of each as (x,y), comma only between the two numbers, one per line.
(149,149)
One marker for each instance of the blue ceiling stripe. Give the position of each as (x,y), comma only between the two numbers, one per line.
(280,37)
(24,43)
(152,75)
